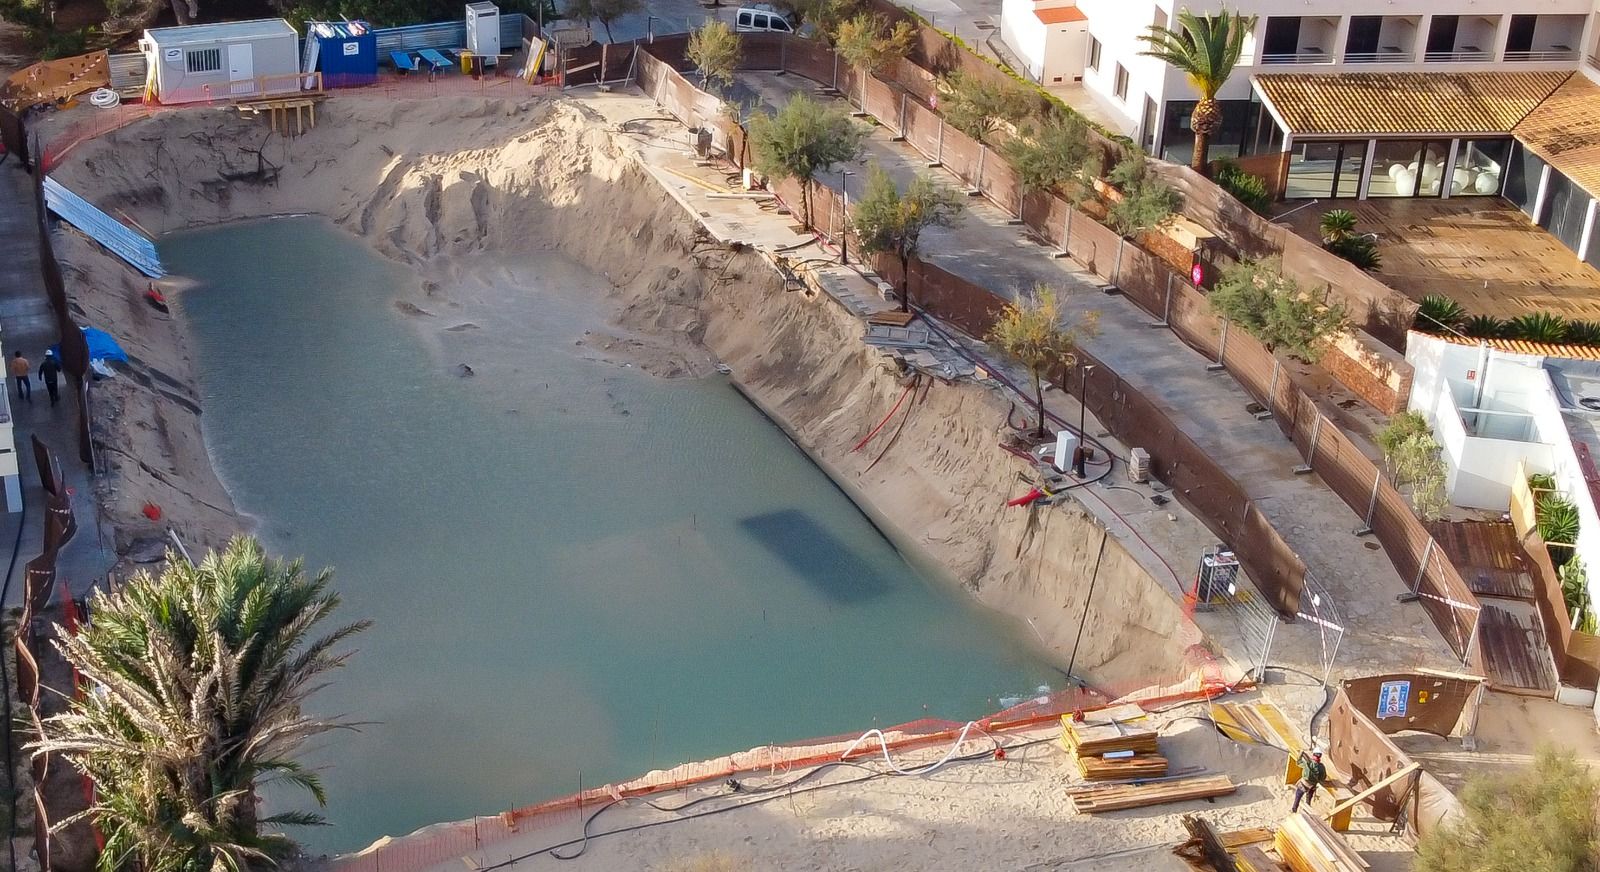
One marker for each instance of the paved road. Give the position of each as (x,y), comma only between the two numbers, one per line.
(972,20)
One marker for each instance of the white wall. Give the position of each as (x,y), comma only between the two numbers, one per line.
(1024,33)
(1118,24)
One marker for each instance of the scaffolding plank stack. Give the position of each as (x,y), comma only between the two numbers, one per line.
(1307,844)
(1096,798)
(1122,768)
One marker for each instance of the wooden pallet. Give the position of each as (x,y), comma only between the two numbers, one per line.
(1137,766)
(1107,733)
(891,318)
(1307,844)
(1115,797)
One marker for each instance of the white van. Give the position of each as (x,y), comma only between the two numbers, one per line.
(763,19)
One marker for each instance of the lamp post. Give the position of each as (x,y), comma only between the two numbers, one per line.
(844,215)
(1080,454)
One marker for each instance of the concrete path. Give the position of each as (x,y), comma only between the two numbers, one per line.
(28,325)
(1210,407)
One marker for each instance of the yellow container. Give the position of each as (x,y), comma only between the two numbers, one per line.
(466,62)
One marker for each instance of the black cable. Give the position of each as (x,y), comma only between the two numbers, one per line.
(1088,600)
(5,686)
(779,791)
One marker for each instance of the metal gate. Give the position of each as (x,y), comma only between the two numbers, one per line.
(1221,586)
(1318,608)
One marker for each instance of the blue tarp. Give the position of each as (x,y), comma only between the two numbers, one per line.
(102,346)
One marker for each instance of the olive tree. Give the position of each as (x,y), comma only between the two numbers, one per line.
(603,11)
(714,51)
(1415,458)
(868,43)
(1035,332)
(1257,296)
(891,222)
(1536,817)
(802,138)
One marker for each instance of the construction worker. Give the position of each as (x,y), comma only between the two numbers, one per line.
(20,368)
(50,375)
(1312,774)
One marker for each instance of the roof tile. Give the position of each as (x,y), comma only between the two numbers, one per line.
(1378,104)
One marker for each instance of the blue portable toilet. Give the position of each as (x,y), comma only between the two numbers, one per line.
(345,51)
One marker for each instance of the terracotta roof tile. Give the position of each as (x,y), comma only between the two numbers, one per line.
(1399,103)
(1565,131)
(1539,349)
(1060,15)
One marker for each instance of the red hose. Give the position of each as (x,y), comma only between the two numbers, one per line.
(863,442)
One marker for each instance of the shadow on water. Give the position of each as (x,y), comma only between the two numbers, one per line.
(820,557)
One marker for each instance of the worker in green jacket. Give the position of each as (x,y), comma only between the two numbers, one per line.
(1312,774)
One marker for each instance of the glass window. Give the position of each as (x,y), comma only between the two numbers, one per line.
(1094,54)
(761,22)
(1121,89)
(1565,208)
(1408,168)
(744,19)
(1522,178)
(1324,169)
(781,24)
(1480,167)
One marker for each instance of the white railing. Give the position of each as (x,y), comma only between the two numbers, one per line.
(1300,57)
(1483,424)
(1551,54)
(1456,57)
(1378,57)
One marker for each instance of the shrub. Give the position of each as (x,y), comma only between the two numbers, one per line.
(1270,306)
(1542,481)
(802,138)
(978,107)
(1558,526)
(714,51)
(1439,312)
(1056,155)
(1414,458)
(1583,332)
(1538,327)
(1146,200)
(1484,327)
(1359,250)
(1337,224)
(1541,817)
(1575,592)
(1248,189)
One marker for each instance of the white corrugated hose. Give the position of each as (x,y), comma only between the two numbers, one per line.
(105,98)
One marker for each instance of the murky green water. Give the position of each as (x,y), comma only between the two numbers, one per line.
(575,570)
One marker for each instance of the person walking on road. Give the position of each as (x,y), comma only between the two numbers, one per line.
(50,375)
(20,367)
(1312,774)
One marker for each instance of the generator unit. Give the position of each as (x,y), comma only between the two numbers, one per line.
(1217,578)
(483,32)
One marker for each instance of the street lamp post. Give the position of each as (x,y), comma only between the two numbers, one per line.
(1081,453)
(844,216)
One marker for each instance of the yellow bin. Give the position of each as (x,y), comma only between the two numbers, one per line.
(466,62)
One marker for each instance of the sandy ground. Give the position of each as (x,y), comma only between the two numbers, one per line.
(983,814)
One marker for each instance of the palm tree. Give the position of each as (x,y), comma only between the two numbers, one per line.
(1206,50)
(199,678)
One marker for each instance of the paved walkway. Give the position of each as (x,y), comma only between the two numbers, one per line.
(1210,408)
(27,325)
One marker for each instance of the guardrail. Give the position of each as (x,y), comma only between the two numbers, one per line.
(1552,54)
(1457,57)
(1302,57)
(1378,57)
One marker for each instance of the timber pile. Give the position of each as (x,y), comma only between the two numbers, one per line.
(1122,768)
(1307,844)
(1107,732)
(1095,798)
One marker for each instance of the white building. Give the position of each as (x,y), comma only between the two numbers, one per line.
(1049,37)
(1499,415)
(1372,98)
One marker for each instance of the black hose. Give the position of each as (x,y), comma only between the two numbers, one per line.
(5,686)
(776,791)
(1088,600)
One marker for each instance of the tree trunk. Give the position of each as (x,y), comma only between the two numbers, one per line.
(1202,144)
(180,11)
(1038,405)
(905,282)
(607,25)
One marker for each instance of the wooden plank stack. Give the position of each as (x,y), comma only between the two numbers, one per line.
(1122,768)
(1108,731)
(1094,798)
(1307,844)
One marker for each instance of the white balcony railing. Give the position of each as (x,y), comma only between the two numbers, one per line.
(1456,57)
(1551,54)
(1300,57)
(1387,56)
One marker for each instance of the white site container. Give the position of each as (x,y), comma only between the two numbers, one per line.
(228,61)
(483,32)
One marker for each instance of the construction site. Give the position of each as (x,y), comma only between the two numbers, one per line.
(1232,584)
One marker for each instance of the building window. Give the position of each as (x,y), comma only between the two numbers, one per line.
(1522,179)
(1324,169)
(1480,167)
(205,60)
(1121,88)
(1094,54)
(1408,168)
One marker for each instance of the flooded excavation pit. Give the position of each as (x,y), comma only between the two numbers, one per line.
(577,570)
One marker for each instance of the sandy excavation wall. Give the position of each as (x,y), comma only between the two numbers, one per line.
(427,181)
